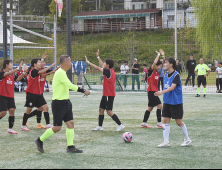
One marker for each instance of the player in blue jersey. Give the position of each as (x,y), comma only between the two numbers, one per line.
(173,102)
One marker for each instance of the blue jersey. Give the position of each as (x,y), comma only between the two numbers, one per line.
(175,96)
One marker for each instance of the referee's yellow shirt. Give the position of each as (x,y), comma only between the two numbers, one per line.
(202,69)
(61,85)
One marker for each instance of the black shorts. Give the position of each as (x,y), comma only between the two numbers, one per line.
(173,111)
(62,111)
(107,103)
(201,79)
(153,100)
(6,103)
(34,100)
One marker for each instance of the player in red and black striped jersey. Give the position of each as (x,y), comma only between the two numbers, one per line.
(109,91)
(38,111)
(34,96)
(7,79)
(153,78)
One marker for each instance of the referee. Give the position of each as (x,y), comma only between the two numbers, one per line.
(201,76)
(61,106)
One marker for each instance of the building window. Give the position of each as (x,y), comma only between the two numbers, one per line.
(141,6)
(170,18)
(169,6)
(137,6)
(133,7)
(152,6)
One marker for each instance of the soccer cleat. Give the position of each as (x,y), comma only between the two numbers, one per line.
(99,128)
(197,95)
(73,149)
(11,131)
(48,126)
(24,128)
(39,126)
(26,123)
(204,95)
(164,144)
(159,125)
(121,127)
(39,145)
(145,125)
(186,143)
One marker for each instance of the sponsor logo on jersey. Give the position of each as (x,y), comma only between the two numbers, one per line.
(156,77)
(9,81)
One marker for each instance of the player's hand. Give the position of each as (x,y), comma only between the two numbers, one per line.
(157,93)
(87,61)
(87,92)
(97,54)
(162,52)
(205,75)
(44,56)
(25,68)
(197,76)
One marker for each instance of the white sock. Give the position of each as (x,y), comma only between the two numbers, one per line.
(166,132)
(20,88)
(184,130)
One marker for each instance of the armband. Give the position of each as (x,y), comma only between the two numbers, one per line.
(87,61)
(81,90)
(158,54)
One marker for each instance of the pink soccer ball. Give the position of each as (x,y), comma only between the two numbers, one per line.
(127,137)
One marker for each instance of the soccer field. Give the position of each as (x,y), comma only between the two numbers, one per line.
(106,149)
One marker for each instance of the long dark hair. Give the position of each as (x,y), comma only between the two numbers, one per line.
(171,60)
(33,61)
(5,62)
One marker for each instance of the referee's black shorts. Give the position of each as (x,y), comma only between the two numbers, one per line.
(34,100)
(201,79)
(6,103)
(62,111)
(153,100)
(172,111)
(107,103)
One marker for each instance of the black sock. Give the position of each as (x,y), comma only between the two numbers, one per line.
(116,119)
(25,119)
(158,115)
(33,113)
(101,118)
(39,116)
(0,117)
(11,120)
(146,116)
(47,119)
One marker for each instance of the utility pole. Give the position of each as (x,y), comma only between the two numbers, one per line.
(5,29)
(175,23)
(68,36)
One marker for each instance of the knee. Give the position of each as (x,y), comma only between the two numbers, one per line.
(56,129)
(2,114)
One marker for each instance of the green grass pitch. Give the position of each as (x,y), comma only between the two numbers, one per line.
(106,149)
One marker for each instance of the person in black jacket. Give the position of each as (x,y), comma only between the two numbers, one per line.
(191,64)
(179,68)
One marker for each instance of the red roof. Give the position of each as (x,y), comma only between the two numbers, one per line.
(118,12)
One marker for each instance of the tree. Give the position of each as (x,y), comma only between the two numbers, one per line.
(89,5)
(75,4)
(31,7)
(209,26)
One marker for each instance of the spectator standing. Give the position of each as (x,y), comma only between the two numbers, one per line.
(161,75)
(219,77)
(135,71)
(124,70)
(144,76)
(191,64)
(179,68)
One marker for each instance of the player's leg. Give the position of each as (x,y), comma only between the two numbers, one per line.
(102,108)
(25,119)
(146,117)
(158,115)
(11,120)
(220,82)
(3,106)
(166,130)
(183,128)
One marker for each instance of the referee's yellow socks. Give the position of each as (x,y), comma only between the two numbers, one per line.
(48,133)
(198,90)
(70,136)
(205,90)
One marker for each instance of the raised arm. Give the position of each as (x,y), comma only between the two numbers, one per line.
(156,60)
(44,70)
(53,71)
(93,65)
(23,74)
(100,61)
(13,71)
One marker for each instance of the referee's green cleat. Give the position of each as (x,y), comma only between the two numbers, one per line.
(39,145)
(73,149)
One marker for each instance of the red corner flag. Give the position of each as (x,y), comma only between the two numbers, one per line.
(60,6)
